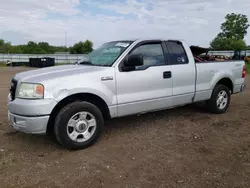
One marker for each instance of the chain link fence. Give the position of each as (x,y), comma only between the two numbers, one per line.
(59,58)
(71,58)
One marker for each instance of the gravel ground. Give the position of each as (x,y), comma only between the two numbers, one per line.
(184,147)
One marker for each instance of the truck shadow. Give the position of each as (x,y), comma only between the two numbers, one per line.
(194,112)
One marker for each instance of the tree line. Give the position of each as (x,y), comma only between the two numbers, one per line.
(231,37)
(45,48)
(233,32)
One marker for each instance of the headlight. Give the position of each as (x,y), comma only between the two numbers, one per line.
(30,91)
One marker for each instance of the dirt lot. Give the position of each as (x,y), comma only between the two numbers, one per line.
(183,147)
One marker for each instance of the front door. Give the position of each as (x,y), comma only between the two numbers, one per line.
(148,87)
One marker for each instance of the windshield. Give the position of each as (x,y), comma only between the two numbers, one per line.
(106,54)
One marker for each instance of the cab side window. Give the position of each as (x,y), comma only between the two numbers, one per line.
(152,55)
(176,53)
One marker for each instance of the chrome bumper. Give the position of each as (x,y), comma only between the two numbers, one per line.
(243,87)
(239,88)
(31,125)
(31,107)
(30,116)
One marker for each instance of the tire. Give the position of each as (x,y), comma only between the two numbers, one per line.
(70,121)
(212,102)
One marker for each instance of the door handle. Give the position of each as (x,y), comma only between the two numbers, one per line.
(167,74)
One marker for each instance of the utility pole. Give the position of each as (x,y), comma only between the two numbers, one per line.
(66,56)
(66,38)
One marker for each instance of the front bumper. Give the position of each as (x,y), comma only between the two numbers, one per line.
(30,116)
(27,107)
(31,125)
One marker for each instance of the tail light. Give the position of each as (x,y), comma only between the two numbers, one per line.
(244,72)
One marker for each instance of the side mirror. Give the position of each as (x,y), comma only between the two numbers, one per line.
(134,60)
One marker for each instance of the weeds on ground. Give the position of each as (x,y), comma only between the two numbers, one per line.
(248,67)
(2,64)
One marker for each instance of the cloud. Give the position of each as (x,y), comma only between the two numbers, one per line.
(196,21)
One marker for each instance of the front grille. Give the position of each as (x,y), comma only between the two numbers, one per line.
(13,89)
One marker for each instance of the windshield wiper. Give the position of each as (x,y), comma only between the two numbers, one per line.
(102,65)
(85,63)
(91,64)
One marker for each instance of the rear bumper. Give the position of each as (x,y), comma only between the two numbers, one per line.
(31,125)
(243,86)
(239,88)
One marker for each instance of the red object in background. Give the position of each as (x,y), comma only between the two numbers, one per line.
(198,59)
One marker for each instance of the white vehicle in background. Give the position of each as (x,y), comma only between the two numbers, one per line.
(119,78)
(8,63)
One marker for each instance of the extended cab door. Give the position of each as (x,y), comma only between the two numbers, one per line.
(183,72)
(147,87)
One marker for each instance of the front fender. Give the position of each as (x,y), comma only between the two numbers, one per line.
(106,91)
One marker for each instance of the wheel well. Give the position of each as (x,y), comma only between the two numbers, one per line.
(88,97)
(226,82)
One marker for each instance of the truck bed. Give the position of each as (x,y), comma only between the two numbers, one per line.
(208,74)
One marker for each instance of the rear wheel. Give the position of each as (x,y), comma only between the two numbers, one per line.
(220,99)
(78,125)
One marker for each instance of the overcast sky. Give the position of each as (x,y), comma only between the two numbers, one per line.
(196,21)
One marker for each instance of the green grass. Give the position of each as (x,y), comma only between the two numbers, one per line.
(4,65)
(57,64)
(248,67)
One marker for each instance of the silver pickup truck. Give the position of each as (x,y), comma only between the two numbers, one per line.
(119,78)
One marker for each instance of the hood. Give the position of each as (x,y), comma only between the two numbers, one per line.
(42,74)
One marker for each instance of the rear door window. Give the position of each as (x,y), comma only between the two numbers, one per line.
(176,53)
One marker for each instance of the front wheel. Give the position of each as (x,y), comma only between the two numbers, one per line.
(78,125)
(220,99)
